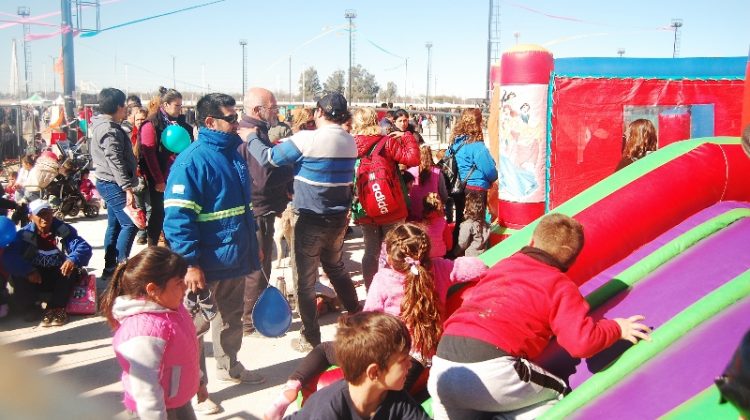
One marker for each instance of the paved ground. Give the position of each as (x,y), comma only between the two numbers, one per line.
(79,377)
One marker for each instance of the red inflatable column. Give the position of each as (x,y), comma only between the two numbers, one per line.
(524,80)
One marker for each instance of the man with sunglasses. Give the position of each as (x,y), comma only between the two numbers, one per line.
(209,221)
(272,188)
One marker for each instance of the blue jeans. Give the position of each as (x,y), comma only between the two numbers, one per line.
(120,229)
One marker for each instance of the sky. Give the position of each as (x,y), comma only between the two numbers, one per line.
(204,42)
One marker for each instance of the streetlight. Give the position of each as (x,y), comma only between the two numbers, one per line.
(428,44)
(243,44)
(350,14)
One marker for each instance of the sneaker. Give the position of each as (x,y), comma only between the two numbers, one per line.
(47,317)
(206,407)
(302,345)
(59,318)
(245,377)
(142,240)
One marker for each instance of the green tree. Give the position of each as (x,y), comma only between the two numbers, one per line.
(309,84)
(364,86)
(335,83)
(389,93)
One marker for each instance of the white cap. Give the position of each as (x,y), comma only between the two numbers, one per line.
(38,205)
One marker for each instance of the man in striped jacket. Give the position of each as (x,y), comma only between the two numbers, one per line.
(323,162)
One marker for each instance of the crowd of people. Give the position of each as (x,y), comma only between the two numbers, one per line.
(210,219)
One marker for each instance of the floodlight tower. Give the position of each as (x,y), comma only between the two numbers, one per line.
(243,44)
(493,40)
(621,52)
(24,12)
(428,44)
(350,14)
(676,25)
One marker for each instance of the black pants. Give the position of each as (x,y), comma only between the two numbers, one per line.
(156,220)
(27,293)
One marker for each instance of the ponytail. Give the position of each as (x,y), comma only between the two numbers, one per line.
(114,289)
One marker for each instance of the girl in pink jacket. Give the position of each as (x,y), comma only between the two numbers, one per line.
(414,287)
(155,341)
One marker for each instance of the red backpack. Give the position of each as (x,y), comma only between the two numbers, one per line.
(379,188)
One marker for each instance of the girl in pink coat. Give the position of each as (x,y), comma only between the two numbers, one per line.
(155,341)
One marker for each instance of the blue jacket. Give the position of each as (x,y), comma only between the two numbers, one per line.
(208,217)
(475,154)
(323,161)
(20,253)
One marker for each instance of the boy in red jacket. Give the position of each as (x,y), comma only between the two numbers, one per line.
(482,362)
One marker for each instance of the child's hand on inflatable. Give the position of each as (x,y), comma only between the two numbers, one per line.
(632,329)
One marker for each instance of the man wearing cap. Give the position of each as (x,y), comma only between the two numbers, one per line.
(323,161)
(39,265)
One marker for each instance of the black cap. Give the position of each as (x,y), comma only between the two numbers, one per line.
(333,104)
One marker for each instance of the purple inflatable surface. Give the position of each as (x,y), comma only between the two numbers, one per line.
(661,240)
(675,375)
(662,294)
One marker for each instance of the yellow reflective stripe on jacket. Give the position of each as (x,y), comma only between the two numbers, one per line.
(223,214)
(176,202)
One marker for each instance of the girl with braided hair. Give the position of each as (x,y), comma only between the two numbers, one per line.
(413,287)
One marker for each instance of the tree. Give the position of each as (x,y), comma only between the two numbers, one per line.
(335,83)
(309,84)
(364,86)
(389,93)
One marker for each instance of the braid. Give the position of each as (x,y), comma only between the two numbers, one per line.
(420,307)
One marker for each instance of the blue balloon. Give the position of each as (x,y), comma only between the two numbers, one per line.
(175,138)
(272,315)
(7,231)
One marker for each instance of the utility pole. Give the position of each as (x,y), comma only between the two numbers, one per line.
(174,79)
(24,12)
(54,84)
(69,77)
(243,44)
(350,14)
(428,44)
(676,25)
(406,77)
(290,79)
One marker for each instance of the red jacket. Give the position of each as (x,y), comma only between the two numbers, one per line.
(404,151)
(525,300)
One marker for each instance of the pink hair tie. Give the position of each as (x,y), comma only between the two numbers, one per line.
(413,264)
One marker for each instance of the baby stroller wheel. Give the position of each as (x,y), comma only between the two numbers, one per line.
(91,211)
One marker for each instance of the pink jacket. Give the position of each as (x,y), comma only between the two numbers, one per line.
(158,351)
(387,288)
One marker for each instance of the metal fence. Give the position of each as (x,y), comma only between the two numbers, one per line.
(18,125)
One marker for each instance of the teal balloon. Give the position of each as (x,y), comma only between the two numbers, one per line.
(7,231)
(84,126)
(272,315)
(175,138)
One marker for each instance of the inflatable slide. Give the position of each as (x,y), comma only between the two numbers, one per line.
(667,237)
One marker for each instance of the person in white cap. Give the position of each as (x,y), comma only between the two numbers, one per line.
(38,264)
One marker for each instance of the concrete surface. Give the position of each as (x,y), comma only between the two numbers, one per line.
(77,362)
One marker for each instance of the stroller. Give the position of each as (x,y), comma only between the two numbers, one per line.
(64,193)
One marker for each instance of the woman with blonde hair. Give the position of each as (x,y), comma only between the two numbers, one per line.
(397,148)
(640,140)
(475,163)
(302,119)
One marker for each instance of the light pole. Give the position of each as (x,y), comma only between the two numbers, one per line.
(54,85)
(174,79)
(350,14)
(406,77)
(428,44)
(243,44)
(676,25)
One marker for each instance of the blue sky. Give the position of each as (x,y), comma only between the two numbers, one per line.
(205,41)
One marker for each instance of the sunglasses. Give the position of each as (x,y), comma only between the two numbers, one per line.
(231,119)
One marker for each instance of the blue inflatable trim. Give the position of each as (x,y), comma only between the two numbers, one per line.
(700,68)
